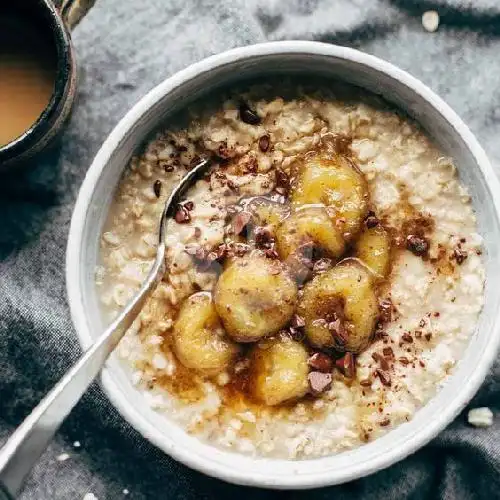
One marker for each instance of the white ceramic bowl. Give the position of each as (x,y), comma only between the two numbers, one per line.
(366,71)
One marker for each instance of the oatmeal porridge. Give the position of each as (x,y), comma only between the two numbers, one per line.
(323,278)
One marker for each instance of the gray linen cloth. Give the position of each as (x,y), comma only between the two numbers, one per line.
(124,48)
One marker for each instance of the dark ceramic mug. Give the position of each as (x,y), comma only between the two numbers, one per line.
(57,17)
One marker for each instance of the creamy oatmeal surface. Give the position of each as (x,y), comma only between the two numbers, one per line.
(429,299)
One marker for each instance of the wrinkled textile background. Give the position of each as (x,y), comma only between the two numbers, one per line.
(124,48)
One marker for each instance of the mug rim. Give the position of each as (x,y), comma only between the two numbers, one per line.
(225,468)
(16,148)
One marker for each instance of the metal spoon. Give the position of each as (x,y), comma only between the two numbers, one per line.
(31,438)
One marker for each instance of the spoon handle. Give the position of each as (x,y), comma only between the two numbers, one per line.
(31,438)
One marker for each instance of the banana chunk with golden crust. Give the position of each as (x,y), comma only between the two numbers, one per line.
(309,225)
(335,182)
(255,297)
(278,370)
(340,308)
(199,340)
(373,247)
(266,212)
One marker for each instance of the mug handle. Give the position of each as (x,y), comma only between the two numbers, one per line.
(73,11)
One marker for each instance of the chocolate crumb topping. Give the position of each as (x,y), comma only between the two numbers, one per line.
(321,362)
(182,215)
(241,221)
(418,245)
(263,237)
(407,337)
(346,365)
(388,352)
(386,307)
(381,361)
(264,143)
(384,377)
(282,182)
(319,382)
(459,255)
(248,115)
(157,188)
(371,220)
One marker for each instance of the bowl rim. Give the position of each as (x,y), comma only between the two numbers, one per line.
(228,471)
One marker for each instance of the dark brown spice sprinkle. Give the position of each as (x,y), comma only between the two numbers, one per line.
(384,377)
(365,383)
(428,336)
(404,361)
(436,314)
(157,188)
(264,142)
(168,167)
(248,115)
(385,422)
(421,363)
(321,362)
(418,334)
(421,323)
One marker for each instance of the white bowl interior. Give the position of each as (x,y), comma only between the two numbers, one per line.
(339,63)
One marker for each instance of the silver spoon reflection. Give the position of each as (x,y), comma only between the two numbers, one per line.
(31,438)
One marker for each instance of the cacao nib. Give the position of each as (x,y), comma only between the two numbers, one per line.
(248,115)
(346,365)
(157,188)
(321,362)
(319,382)
(182,215)
(418,245)
(264,143)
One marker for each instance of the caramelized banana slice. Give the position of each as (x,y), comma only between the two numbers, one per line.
(373,247)
(340,308)
(278,370)
(255,297)
(198,338)
(309,225)
(336,183)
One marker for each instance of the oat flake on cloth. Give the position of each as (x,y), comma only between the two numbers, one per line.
(124,48)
